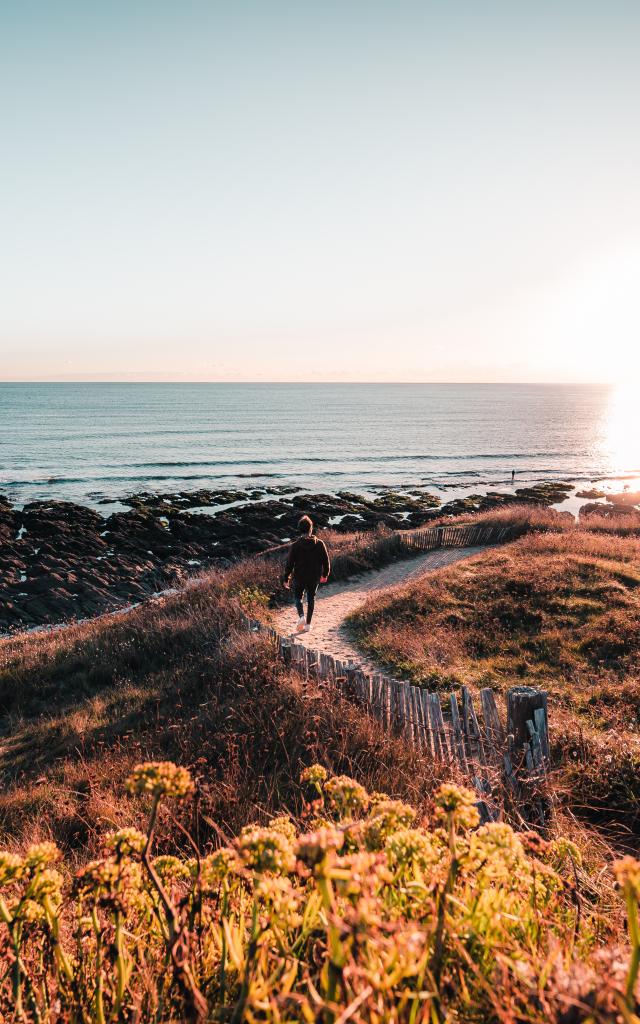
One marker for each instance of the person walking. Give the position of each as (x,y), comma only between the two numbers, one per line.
(308,565)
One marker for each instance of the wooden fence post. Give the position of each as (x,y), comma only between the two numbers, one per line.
(526,704)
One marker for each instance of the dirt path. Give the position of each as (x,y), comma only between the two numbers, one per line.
(337,600)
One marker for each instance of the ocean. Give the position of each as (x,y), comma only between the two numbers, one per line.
(96,443)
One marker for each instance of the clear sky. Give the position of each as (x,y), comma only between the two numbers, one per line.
(348,190)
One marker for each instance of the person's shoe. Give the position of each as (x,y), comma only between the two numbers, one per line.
(301,627)
(306,628)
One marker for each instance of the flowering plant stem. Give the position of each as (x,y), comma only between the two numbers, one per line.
(634,937)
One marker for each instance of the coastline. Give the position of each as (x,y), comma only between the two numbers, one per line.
(61,561)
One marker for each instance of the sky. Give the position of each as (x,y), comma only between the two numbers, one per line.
(358,190)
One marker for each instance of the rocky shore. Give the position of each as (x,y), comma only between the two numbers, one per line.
(60,561)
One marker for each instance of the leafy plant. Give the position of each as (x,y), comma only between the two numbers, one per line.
(362,914)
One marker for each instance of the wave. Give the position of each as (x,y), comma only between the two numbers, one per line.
(353,470)
(293,460)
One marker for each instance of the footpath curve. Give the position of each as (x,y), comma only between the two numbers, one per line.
(338,600)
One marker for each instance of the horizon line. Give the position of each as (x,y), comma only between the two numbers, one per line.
(184,380)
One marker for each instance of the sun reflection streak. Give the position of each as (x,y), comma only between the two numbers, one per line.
(622,429)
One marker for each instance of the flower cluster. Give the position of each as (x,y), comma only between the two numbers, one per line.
(126,842)
(215,868)
(160,778)
(411,849)
(315,775)
(313,847)
(345,796)
(627,872)
(265,849)
(387,818)
(456,803)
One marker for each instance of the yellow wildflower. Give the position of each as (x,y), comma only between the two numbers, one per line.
(11,867)
(30,911)
(41,853)
(627,872)
(315,775)
(215,867)
(410,848)
(346,796)
(126,842)
(457,803)
(561,850)
(313,847)
(390,815)
(171,869)
(264,849)
(160,778)
(284,824)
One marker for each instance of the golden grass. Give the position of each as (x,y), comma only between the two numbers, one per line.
(556,610)
(179,680)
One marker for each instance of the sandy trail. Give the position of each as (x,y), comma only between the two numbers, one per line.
(337,600)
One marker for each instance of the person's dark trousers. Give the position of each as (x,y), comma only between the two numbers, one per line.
(299,587)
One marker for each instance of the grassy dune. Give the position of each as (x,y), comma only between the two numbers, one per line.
(558,610)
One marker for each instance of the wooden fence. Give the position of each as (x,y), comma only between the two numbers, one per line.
(459,536)
(485,747)
(428,539)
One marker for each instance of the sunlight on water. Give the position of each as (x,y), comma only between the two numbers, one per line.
(622,429)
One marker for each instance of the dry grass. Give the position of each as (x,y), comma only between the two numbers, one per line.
(560,611)
(351,554)
(174,679)
(555,610)
(356,553)
(179,680)
(525,518)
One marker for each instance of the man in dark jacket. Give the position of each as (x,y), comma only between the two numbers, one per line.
(308,563)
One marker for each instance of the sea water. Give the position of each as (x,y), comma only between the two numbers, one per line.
(91,442)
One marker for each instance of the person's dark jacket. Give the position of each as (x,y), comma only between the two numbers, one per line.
(308,560)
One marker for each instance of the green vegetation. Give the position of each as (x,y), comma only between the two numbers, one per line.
(362,913)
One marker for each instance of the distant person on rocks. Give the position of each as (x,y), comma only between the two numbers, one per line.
(308,564)
(513,475)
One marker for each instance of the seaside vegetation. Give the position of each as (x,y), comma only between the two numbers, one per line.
(360,912)
(557,609)
(107,913)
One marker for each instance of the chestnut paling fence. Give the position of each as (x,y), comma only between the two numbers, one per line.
(513,744)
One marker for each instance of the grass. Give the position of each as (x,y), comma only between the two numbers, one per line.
(175,679)
(556,610)
(553,610)
(356,553)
